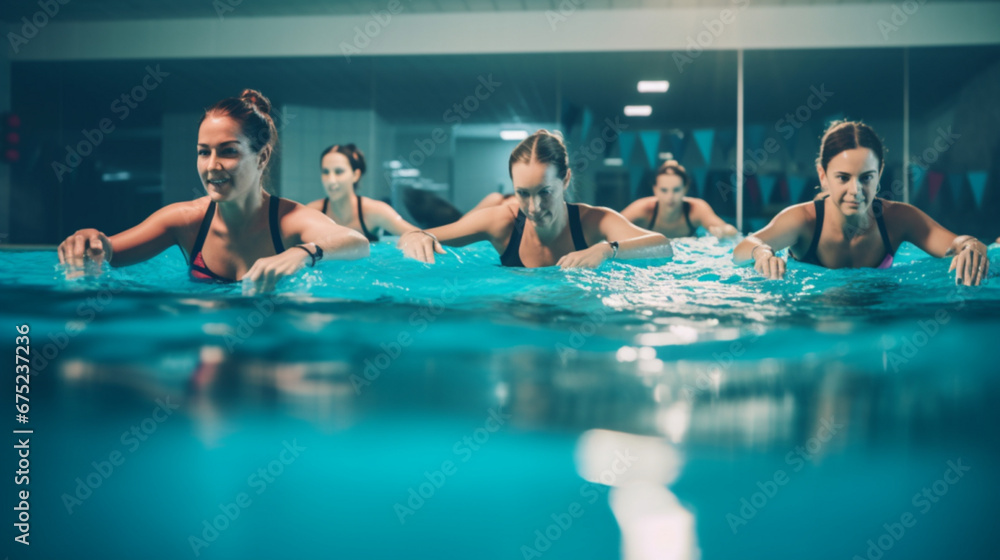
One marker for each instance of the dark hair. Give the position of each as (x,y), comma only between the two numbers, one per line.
(671,167)
(544,147)
(848,135)
(253,111)
(353,155)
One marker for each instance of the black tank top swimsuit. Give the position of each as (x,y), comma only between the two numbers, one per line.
(812,257)
(361,219)
(512,255)
(198,270)
(685,206)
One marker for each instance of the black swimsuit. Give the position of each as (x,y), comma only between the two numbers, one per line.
(812,257)
(512,255)
(686,207)
(199,271)
(361,219)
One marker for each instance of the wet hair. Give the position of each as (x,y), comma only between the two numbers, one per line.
(353,155)
(544,147)
(671,167)
(253,111)
(848,135)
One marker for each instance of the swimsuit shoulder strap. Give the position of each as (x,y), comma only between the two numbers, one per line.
(686,206)
(811,255)
(279,247)
(206,222)
(575,228)
(361,220)
(512,254)
(880,220)
(656,210)
(326,204)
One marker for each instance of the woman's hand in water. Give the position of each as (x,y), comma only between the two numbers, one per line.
(84,244)
(971,264)
(265,273)
(419,245)
(767,264)
(591,257)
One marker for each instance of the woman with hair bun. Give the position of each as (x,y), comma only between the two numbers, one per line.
(341,169)
(850,227)
(237,231)
(543,230)
(672,213)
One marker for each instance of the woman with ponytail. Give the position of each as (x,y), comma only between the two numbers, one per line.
(543,229)
(341,169)
(238,231)
(849,227)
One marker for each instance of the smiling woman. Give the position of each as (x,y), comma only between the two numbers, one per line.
(243,230)
(850,227)
(544,230)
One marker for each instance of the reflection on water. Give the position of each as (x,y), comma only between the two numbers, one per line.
(778,420)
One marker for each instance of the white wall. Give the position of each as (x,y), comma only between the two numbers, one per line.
(310,130)
(583,30)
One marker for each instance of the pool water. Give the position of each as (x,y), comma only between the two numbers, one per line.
(385,408)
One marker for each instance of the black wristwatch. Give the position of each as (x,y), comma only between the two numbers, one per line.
(315,256)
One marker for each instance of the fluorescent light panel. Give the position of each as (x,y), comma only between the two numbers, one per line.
(513,134)
(653,86)
(638,110)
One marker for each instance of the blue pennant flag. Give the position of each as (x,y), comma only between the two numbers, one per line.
(651,142)
(626,141)
(766,184)
(704,138)
(977,180)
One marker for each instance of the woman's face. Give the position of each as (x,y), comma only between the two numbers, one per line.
(669,190)
(227,165)
(337,175)
(539,191)
(851,178)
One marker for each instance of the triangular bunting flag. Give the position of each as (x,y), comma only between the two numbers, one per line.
(676,143)
(635,174)
(917,174)
(796,185)
(755,136)
(934,180)
(626,141)
(651,142)
(977,180)
(704,137)
(588,119)
(955,183)
(700,175)
(767,183)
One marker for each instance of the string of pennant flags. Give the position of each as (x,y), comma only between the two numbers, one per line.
(766,187)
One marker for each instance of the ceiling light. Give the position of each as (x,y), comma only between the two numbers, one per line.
(638,110)
(513,134)
(653,86)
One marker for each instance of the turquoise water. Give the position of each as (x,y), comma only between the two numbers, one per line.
(788,419)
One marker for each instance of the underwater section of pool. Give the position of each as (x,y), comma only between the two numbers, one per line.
(389,409)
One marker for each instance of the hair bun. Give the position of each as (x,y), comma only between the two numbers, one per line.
(257,99)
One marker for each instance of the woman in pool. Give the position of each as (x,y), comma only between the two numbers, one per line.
(341,168)
(672,213)
(238,231)
(544,230)
(850,228)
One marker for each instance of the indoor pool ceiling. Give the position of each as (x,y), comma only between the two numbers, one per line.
(13,10)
